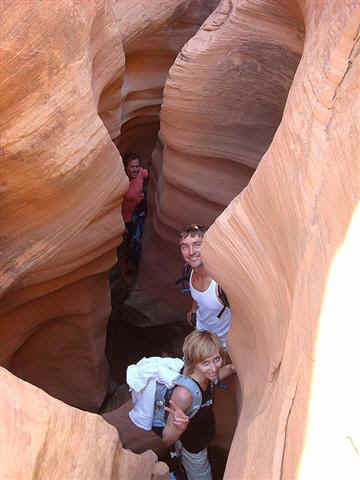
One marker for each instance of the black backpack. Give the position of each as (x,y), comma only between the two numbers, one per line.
(184,283)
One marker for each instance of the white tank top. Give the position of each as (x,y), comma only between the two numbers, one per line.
(209,307)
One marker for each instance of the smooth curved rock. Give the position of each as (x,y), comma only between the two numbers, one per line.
(284,251)
(216,129)
(156,294)
(58,238)
(62,101)
(223,101)
(62,185)
(151,45)
(41,437)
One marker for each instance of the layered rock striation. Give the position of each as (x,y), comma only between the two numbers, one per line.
(41,437)
(62,101)
(62,182)
(284,251)
(151,48)
(223,101)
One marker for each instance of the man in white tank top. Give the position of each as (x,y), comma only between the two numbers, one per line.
(204,290)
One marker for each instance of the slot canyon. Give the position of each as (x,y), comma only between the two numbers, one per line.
(247,115)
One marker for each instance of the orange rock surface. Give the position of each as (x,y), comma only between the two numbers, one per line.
(62,101)
(41,437)
(150,49)
(62,182)
(284,250)
(270,85)
(223,101)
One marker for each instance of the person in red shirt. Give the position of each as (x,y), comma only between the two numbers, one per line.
(133,207)
(135,193)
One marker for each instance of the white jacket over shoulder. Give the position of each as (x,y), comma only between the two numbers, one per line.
(142,377)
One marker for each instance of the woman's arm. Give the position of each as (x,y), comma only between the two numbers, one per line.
(177,421)
(226,371)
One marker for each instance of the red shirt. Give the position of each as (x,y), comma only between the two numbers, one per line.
(134,195)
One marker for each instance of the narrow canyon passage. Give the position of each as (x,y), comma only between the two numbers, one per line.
(247,113)
(199,178)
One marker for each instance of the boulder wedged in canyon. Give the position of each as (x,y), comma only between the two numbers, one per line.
(41,437)
(285,252)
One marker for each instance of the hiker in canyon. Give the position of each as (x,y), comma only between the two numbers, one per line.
(210,308)
(134,207)
(203,359)
(180,407)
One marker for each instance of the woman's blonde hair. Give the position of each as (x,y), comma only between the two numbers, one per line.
(198,346)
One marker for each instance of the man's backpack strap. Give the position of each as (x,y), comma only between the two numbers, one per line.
(185,279)
(224,300)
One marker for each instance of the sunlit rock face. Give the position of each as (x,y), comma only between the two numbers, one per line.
(41,437)
(62,182)
(150,50)
(223,100)
(62,179)
(285,249)
(156,294)
(285,252)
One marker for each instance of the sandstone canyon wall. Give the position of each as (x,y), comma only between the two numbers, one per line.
(223,101)
(62,181)
(285,251)
(150,50)
(41,437)
(285,248)
(62,102)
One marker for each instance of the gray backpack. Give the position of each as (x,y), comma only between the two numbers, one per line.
(163,395)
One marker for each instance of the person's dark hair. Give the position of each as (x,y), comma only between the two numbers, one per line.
(128,156)
(192,230)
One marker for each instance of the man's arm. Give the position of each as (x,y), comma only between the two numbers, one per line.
(177,421)
(193,309)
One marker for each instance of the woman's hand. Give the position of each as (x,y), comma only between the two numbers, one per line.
(179,419)
(226,371)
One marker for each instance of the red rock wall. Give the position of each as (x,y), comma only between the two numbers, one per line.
(156,294)
(284,249)
(150,50)
(62,182)
(62,186)
(223,101)
(41,437)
